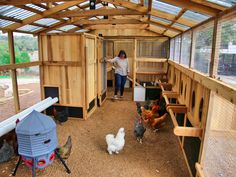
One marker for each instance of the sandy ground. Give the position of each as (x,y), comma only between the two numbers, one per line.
(7,108)
(158,156)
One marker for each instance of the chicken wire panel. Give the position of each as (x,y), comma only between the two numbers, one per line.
(219,150)
(157,48)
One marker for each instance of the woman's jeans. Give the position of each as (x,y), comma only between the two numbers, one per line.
(120,84)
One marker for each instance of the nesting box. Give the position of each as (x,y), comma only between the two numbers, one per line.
(37,139)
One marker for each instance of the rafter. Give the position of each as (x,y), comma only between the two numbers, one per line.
(45,14)
(153,12)
(210,4)
(187,4)
(109,21)
(30,9)
(97,12)
(176,18)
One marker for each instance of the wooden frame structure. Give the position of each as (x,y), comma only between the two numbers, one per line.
(182,81)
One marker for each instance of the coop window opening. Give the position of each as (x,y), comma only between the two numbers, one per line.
(52,91)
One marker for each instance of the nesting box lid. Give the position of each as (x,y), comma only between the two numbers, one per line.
(35,123)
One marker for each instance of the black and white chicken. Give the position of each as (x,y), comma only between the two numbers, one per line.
(139,130)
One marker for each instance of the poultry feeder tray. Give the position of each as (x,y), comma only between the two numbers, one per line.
(37,141)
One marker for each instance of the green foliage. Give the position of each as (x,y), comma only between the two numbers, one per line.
(22,46)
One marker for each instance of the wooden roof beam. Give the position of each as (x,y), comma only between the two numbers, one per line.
(45,14)
(97,12)
(187,4)
(176,19)
(30,9)
(153,12)
(109,21)
(210,4)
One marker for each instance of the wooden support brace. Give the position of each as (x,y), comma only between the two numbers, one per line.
(170,94)
(188,131)
(177,108)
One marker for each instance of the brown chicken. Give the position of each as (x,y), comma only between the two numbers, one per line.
(65,150)
(157,122)
(147,115)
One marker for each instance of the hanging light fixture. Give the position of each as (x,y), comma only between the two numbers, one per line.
(92,4)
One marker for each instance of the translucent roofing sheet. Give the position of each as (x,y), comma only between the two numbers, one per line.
(135,1)
(15,12)
(99,6)
(160,19)
(55,31)
(29,28)
(165,7)
(195,16)
(4,23)
(180,26)
(227,3)
(73,8)
(47,21)
(82,31)
(84,3)
(35,7)
(67,27)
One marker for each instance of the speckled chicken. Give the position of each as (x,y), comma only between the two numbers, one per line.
(139,129)
(65,150)
(6,152)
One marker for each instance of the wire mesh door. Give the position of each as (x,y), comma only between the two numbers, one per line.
(219,150)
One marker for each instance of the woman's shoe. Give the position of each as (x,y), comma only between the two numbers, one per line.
(115,97)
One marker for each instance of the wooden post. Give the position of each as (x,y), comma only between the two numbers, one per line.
(192,49)
(13,71)
(134,65)
(215,48)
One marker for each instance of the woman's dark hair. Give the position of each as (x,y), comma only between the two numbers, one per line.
(122,52)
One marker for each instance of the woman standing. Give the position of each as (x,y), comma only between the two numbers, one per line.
(121,72)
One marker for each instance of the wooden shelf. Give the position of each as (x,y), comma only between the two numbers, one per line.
(156,60)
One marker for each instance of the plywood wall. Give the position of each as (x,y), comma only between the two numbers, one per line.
(69,62)
(62,66)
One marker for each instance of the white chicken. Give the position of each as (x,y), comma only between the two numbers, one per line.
(115,144)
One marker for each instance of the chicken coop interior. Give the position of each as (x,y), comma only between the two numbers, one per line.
(180,89)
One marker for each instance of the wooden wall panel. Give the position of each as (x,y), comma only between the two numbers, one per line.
(91,69)
(128,47)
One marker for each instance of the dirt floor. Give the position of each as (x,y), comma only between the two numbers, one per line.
(158,156)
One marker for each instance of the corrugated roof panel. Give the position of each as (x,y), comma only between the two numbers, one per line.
(65,18)
(73,8)
(181,26)
(99,6)
(29,28)
(195,16)
(135,1)
(4,23)
(55,31)
(47,21)
(160,19)
(93,18)
(35,7)
(84,3)
(18,13)
(5,9)
(82,31)
(168,8)
(226,3)
(67,27)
